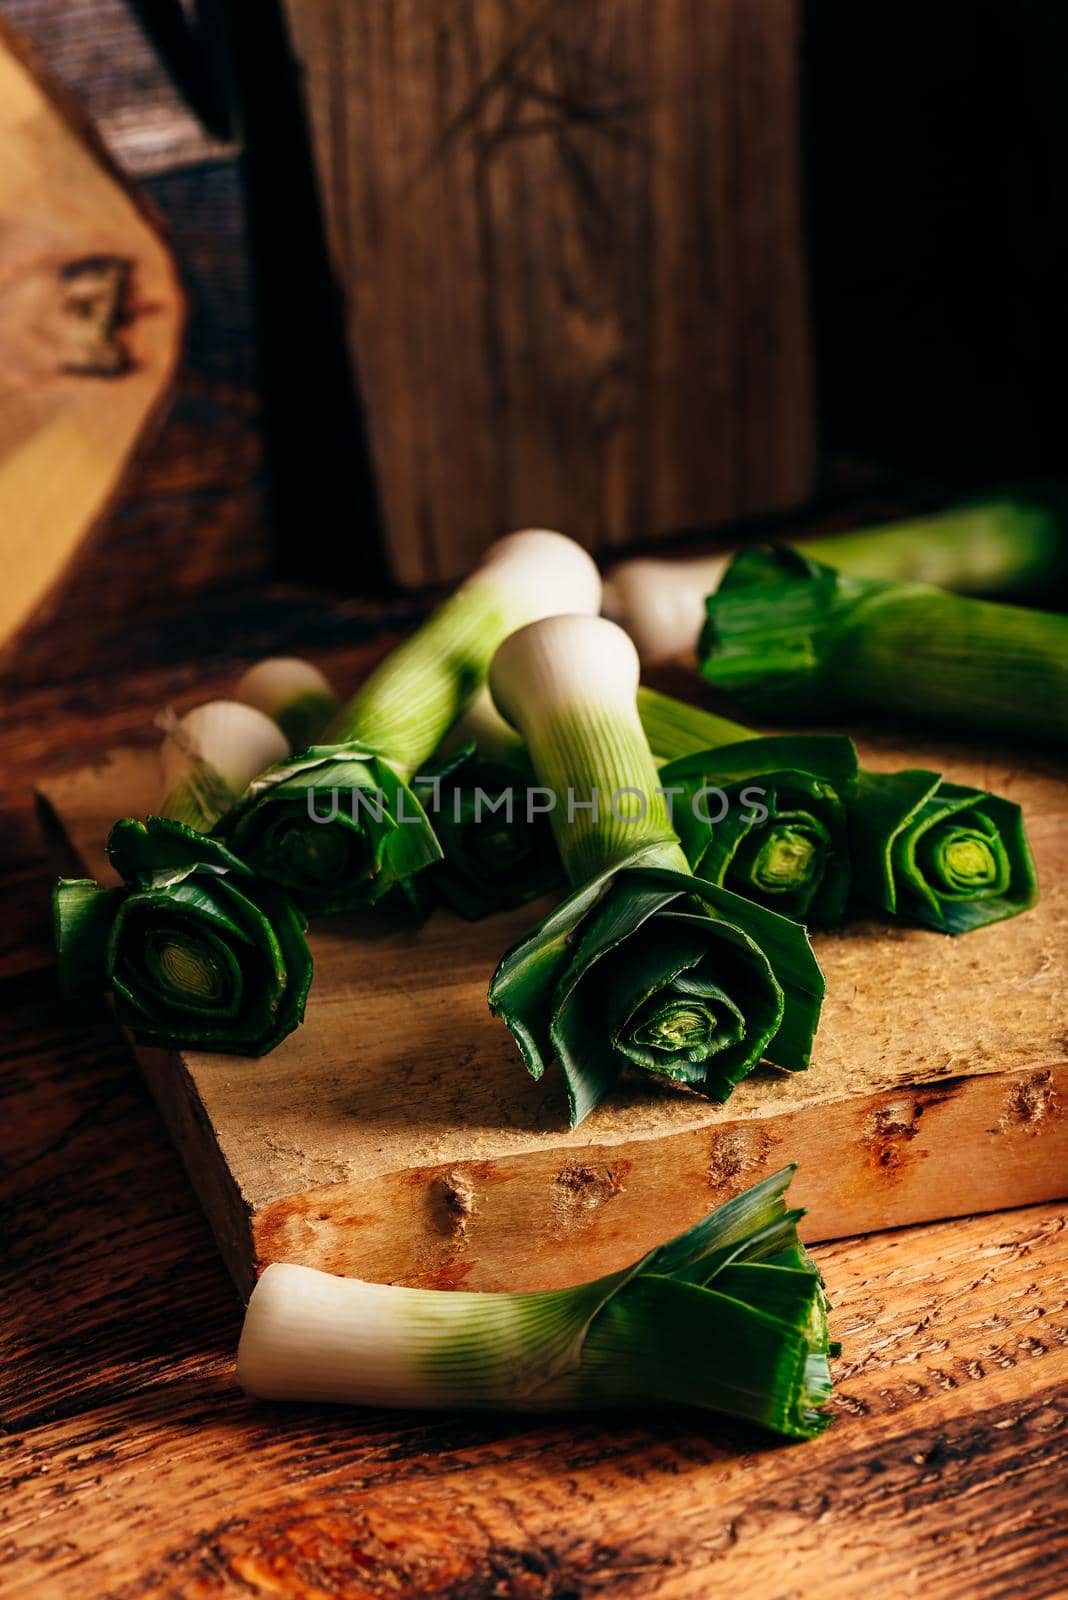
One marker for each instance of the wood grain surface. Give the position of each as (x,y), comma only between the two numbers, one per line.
(91,323)
(397,1137)
(132,1467)
(570,251)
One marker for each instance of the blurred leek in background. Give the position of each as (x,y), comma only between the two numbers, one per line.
(1015,544)
(789,637)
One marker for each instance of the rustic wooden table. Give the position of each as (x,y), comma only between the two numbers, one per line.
(131,1465)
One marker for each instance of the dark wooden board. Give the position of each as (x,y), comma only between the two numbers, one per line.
(570,253)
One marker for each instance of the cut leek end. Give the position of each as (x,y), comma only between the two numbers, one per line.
(652,968)
(337,828)
(942,855)
(196,952)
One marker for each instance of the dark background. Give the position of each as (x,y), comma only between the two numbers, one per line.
(935,136)
(936,141)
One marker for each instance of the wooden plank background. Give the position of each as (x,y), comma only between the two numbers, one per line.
(569,249)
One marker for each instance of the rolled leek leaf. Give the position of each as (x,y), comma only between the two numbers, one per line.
(497,848)
(768,819)
(1012,544)
(497,845)
(919,849)
(937,853)
(787,636)
(730,1317)
(340,825)
(763,815)
(195,950)
(643,965)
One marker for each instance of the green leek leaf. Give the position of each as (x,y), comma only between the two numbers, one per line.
(82,915)
(652,968)
(950,857)
(337,827)
(495,854)
(774,829)
(786,635)
(196,950)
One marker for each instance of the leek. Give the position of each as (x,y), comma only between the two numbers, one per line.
(786,635)
(496,854)
(498,850)
(920,849)
(643,964)
(195,950)
(763,815)
(294,694)
(1012,544)
(730,1317)
(340,825)
(767,818)
(941,854)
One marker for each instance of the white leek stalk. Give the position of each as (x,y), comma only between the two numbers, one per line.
(730,1316)
(311,1336)
(662,603)
(211,755)
(293,693)
(568,684)
(408,703)
(1010,544)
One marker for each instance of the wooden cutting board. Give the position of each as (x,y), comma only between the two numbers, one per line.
(396,1136)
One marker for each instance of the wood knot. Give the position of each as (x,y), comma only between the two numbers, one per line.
(887,1133)
(734,1154)
(453,1200)
(1030,1104)
(94,306)
(579,1189)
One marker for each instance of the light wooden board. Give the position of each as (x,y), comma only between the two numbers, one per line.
(91,319)
(397,1136)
